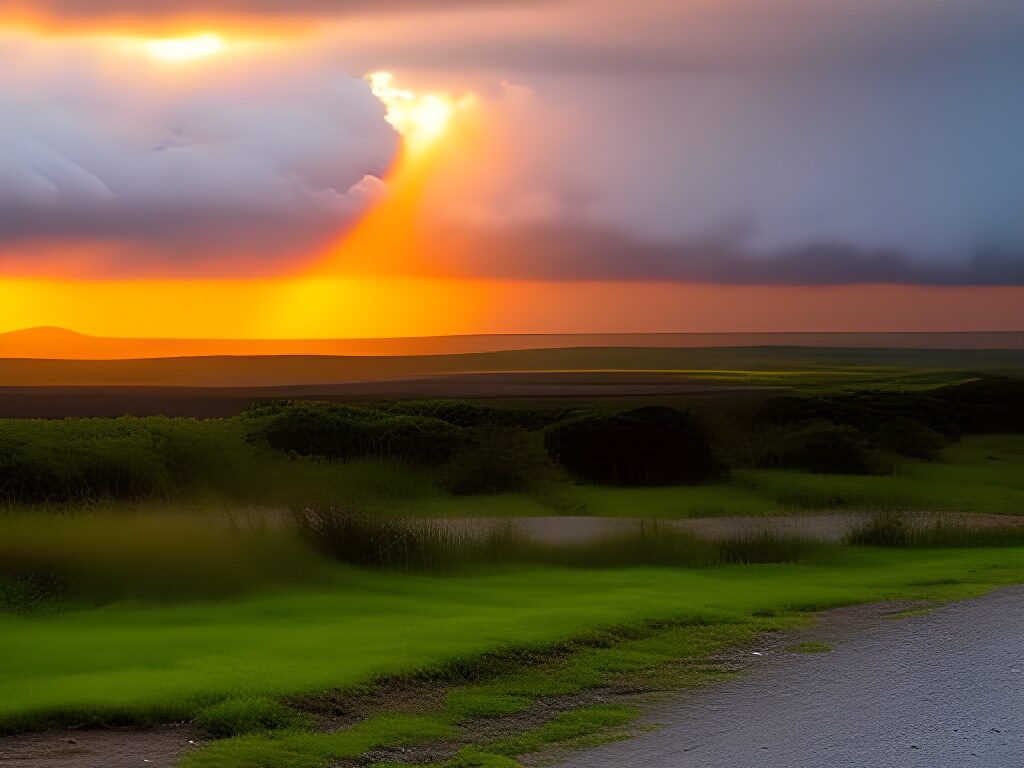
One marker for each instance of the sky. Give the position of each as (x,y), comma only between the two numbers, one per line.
(191,168)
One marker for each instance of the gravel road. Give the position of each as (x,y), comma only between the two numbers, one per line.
(941,690)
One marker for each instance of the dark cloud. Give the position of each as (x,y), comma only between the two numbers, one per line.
(264,161)
(736,141)
(667,36)
(574,252)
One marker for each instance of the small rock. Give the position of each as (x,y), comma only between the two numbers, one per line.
(914,746)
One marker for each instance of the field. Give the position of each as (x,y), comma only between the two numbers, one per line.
(144,663)
(263,576)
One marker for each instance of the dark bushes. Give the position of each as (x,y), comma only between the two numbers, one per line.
(345,432)
(989,404)
(88,459)
(821,447)
(646,446)
(464,413)
(866,411)
(907,437)
(914,424)
(495,460)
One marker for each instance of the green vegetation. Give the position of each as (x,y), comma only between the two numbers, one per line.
(255,574)
(644,446)
(247,714)
(89,559)
(303,749)
(890,530)
(570,727)
(427,546)
(446,458)
(149,662)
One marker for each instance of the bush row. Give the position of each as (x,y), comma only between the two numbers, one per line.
(475,448)
(82,459)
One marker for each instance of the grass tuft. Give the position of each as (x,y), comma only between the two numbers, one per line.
(241,715)
(891,530)
(431,546)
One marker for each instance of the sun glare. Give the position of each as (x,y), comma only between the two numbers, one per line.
(421,119)
(181,49)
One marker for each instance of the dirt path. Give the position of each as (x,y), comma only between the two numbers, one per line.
(107,748)
(942,690)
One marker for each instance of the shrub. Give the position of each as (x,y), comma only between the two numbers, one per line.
(907,437)
(646,446)
(498,460)
(463,413)
(821,447)
(986,404)
(87,459)
(346,432)
(989,404)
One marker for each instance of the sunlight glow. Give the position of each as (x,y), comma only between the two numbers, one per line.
(182,49)
(421,119)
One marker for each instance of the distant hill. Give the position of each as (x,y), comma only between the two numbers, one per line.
(62,344)
(771,366)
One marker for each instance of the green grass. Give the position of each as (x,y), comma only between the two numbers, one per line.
(302,749)
(154,663)
(642,654)
(569,727)
(979,474)
(248,714)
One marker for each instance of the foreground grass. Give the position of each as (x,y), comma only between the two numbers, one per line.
(139,663)
(632,654)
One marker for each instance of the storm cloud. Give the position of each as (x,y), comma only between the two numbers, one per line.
(733,141)
(256,160)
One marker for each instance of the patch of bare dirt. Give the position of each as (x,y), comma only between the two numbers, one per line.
(101,748)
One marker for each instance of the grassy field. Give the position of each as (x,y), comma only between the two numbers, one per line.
(150,662)
(234,572)
(130,662)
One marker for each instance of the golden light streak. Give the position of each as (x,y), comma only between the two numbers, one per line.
(364,286)
(183,49)
(308,307)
